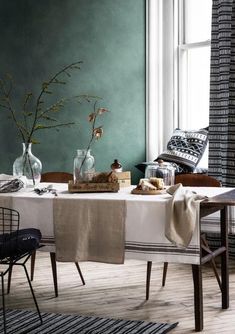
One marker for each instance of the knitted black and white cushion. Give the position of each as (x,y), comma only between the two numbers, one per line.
(186,148)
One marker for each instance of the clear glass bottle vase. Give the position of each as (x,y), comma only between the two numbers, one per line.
(84,166)
(29,166)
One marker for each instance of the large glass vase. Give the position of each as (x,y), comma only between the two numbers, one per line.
(29,166)
(84,166)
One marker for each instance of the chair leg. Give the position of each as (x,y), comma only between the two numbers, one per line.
(213,264)
(33,258)
(31,288)
(54,272)
(224,259)
(9,278)
(165,267)
(206,248)
(148,277)
(80,273)
(198,297)
(3,306)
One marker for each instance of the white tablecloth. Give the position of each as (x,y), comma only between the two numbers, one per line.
(144,223)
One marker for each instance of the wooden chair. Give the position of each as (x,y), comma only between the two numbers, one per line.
(193,180)
(59,177)
(197,180)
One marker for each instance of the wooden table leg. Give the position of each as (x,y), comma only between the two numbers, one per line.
(224,258)
(198,298)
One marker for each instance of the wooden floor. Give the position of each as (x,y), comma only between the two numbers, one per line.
(118,291)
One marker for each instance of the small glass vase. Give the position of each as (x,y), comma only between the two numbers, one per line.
(84,166)
(29,166)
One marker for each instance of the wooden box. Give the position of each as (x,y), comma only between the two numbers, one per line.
(124,178)
(88,187)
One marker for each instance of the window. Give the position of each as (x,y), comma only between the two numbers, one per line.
(177,70)
(192,39)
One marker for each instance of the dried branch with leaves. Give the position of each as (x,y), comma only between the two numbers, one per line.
(96,132)
(34,115)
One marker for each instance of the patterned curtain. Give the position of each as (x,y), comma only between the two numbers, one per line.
(222,93)
(222,107)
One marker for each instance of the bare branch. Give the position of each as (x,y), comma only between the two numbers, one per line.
(40,127)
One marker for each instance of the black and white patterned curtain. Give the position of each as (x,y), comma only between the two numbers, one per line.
(222,93)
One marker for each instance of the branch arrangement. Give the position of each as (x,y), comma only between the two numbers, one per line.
(34,115)
(96,132)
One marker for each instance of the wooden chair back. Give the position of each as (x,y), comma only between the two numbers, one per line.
(60,177)
(197,180)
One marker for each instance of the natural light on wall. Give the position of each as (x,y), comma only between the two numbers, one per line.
(194,62)
(180,30)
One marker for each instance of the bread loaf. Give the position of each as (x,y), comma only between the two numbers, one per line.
(105,177)
(146,185)
(157,182)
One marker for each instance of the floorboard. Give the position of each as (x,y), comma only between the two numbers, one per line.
(118,291)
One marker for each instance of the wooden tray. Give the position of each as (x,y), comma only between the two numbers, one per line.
(86,187)
(148,192)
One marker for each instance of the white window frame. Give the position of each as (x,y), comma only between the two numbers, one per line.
(153,78)
(160,118)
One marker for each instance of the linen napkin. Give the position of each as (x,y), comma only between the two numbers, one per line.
(184,215)
(9,183)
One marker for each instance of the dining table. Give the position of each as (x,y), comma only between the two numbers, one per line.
(134,223)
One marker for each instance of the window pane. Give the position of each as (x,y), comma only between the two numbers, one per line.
(197,87)
(197,20)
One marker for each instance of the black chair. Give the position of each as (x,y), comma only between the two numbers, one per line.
(60,177)
(16,247)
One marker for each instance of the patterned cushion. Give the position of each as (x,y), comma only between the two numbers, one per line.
(186,148)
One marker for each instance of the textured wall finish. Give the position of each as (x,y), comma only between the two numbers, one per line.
(40,37)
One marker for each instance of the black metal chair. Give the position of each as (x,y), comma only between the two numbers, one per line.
(16,247)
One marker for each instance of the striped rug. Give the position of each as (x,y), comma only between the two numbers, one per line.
(21,321)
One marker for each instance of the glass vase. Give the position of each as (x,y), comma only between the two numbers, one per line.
(163,170)
(84,166)
(29,166)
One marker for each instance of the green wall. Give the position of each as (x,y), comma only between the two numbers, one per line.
(40,37)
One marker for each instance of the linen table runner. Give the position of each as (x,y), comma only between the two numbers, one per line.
(89,230)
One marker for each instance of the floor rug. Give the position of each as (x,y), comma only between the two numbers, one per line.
(21,321)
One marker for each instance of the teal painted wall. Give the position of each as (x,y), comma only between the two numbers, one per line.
(40,37)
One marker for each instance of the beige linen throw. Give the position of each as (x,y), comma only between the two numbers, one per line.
(184,214)
(89,230)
